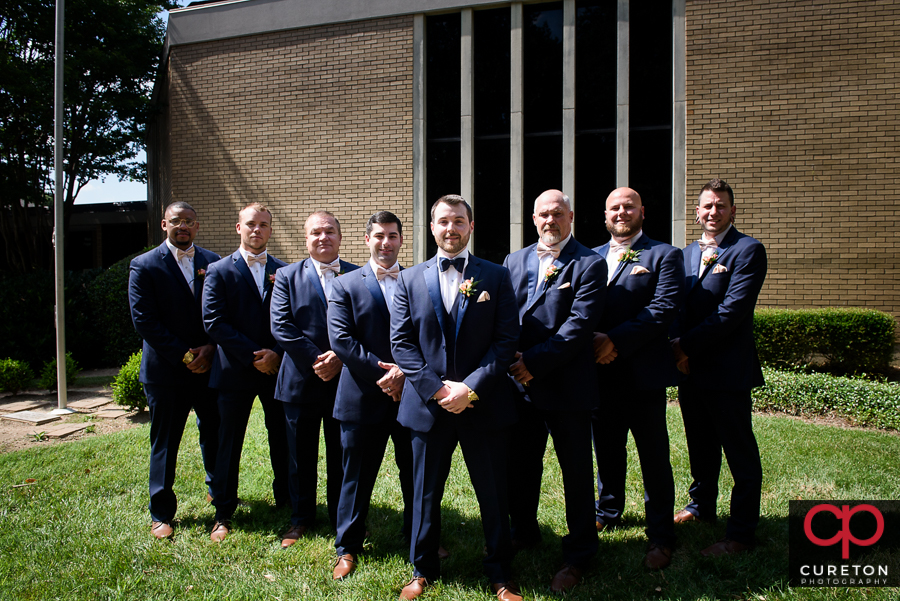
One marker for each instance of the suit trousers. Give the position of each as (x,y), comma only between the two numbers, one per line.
(485,453)
(571,431)
(234,409)
(717,421)
(643,412)
(363,447)
(303,422)
(169,409)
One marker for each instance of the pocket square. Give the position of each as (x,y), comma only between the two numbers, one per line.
(566,285)
(637,270)
(720,269)
(484,296)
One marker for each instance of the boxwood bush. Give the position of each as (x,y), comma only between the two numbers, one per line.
(48,373)
(127,388)
(14,375)
(846,340)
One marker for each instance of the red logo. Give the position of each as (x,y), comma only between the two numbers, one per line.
(844,536)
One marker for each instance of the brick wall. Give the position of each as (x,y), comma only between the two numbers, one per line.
(796,104)
(317,118)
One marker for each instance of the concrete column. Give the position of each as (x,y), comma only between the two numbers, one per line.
(516,126)
(467,111)
(679,126)
(420,210)
(568,141)
(622,59)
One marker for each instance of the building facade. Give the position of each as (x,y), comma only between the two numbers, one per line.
(357,106)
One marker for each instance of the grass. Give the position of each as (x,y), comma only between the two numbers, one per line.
(82,530)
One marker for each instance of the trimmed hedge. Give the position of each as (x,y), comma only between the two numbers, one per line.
(127,388)
(49,375)
(850,340)
(14,375)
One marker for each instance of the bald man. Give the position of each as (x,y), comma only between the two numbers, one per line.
(634,366)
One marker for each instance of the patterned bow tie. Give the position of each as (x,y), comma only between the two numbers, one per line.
(382,273)
(334,267)
(459,263)
(189,253)
(704,244)
(261,259)
(543,250)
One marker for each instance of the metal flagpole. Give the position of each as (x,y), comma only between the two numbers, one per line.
(58,221)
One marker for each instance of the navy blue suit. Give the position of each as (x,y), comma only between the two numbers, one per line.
(558,318)
(359,326)
(299,324)
(166,314)
(237,319)
(476,347)
(715,328)
(642,301)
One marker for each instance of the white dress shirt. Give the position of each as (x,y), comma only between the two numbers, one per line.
(712,251)
(612,259)
(387,284)
(186,264)
(547,260)
(450,279)
(326,278)
(257,270)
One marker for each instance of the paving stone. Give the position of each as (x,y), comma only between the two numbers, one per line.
(112,413)
(63,430)
(91,403)
(22,405)
(33,417)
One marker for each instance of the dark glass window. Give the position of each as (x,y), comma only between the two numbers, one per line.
(595,116)
(650,113)
(492,89)
(543,66)
(442,49)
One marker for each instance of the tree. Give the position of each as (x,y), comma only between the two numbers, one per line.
(112,52)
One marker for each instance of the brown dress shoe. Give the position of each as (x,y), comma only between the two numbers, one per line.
(162,530)
(292,536)
(506,591)
(220,531)
(567,577)
(724,547)
(344,566)
(684,516)
(657,557)
(413,588)
(443,553)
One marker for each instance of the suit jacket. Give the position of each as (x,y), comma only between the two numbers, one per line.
(486,337)
(299,324)
(166,314)
(558,320)
(359,328)
(639,311)
(237,319)
(716,323)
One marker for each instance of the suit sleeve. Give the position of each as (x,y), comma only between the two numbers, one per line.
(344,335)
(504,340)
(405,345)
(578,329)
(286,332)
(216,319)
(655,319)
(147,316)
(740,299)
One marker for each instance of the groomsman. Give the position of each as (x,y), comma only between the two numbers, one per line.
(644,293)
(308,379)
(453,334)
(560,286)
(236,299)
(164,292)
(368,394)
(715,349)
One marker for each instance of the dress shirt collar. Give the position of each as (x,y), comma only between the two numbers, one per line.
(245,253)
(174,249)
(441,253)
(318,265)
(721,236)
(628,242)
(562,243)
(375,265)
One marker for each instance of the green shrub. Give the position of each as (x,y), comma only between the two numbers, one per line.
(48,373)
(127,389)
(14,375)
(847,340)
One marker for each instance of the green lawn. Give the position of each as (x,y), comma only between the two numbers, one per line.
(82,530)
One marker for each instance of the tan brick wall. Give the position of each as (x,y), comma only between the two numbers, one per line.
(317,118)
(796,104)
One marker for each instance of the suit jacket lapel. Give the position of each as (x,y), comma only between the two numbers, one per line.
(433,283)
(473,270)
(200,262)
(312,276)
(268,280)
(559,262)
(640,245)
(532,266)
(241,265)
(694,258)
(172,265)
(374,287)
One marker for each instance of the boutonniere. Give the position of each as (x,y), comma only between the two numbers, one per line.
(271,278)
(340,273)
(467,288)
(707,261)
(201,273)
(630,256)
(551,274)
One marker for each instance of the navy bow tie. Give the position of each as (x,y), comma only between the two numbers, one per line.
(459,263)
